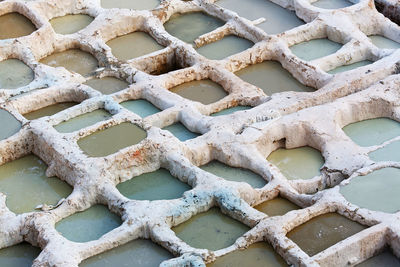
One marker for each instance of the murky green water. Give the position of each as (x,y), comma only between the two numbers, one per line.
(377,191)
(230,111)
(276,207)
(70,23)
(14,25)
(83,121)
(227,46)
(258,254)
(189,26)
(21,255)
(14,74)
(277,18)
(140,107)
(49,110)
(323,232)
(272,78)
(388,153)
(298,163)
(133,45)
(386,259)
(10,124)
(155,185)
(123,135)
(332,4)
(143,253)
(138,5)
(211,230)
(350,67)
(234,174)
(314,49)
(89,224)
(203,91)
(26,177)
(372,132)
(181,132)
(107,85)
(383,42)
(74,60)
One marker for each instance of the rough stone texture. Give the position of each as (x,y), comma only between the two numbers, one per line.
(242,139)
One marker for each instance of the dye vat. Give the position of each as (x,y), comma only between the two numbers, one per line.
(276,207)
(234,174)
(350,66)
(258,254)
(128,4)
(10,125)
(386,258)
(278,19)
(315,48)
(210,230)
(70,23)
(372,132)
(88,225)
(139,252)
(49,110)
(203,91)
(272,78)
(82,121)
(298,163)
(133,45)
(14,74)
(26,177)
(323,232)
(21,255)
(383,42)
(140,107)
(74,60)
(230,111)
(388,153)
(14,25)
(227,46)
(180,131)
(107,85)
(155,185)
(123,135)
(189,26)
(376,191)
(332,4)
